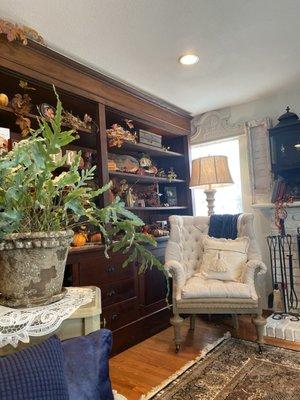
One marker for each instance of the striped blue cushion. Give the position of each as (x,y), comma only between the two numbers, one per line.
(36,373)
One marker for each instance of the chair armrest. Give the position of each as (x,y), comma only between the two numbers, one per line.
(252,268)
(257,264)
(178,274)
(176,270)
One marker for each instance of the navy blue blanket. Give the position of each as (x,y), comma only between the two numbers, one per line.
(223,226)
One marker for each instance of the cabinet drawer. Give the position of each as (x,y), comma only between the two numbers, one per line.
(120,314)
(117,292)
(98,271)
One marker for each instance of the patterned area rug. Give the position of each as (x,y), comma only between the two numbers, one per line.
(235,371)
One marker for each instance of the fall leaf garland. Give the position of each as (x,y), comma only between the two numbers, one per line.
(75,122)
(21,33)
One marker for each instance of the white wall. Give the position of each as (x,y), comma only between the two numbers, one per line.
(271,106)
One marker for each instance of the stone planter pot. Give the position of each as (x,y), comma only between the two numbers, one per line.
(32,267)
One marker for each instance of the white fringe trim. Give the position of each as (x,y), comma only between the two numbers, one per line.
(118,396)
(207,349)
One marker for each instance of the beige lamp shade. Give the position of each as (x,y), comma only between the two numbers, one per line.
(211,171)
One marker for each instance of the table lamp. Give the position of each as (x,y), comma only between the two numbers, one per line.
(209,173)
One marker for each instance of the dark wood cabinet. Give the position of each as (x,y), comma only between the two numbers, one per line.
(131,301)
(153,285)
(97,269)
(134,305)
(116,292)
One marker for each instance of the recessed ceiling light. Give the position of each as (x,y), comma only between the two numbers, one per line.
(189,59)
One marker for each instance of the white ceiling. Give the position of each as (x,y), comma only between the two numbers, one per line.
(247,48)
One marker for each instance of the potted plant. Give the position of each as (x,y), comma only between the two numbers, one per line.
(40,205)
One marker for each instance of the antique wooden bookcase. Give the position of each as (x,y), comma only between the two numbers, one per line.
(134,305)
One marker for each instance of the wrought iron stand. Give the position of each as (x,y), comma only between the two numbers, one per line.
(284,297)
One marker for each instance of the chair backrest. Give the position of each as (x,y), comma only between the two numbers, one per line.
(185,243)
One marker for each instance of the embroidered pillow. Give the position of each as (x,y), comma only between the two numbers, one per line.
(223,259)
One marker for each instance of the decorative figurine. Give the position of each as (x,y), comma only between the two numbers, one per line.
(87,157)
(161,173)
(147,165)
(130,197)
(171,175)
(165,148)
(145,161)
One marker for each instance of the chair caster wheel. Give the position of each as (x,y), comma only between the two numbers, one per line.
(177,348)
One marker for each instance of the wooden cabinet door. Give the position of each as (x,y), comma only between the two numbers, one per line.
(153,286)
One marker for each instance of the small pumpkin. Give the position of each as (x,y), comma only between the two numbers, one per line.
(79,239)
(96,237)
(3,100)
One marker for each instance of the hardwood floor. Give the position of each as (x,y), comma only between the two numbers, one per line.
(137,370)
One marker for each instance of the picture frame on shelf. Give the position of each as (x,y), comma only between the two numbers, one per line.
(170,193)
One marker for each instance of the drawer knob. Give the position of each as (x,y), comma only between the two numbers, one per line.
(111,293)
(110,270)
(114,317)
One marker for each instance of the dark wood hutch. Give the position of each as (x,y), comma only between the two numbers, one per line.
(134,305)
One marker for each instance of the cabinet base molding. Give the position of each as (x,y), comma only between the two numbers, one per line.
(139,330)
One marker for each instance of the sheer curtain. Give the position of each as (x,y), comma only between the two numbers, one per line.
(228,199)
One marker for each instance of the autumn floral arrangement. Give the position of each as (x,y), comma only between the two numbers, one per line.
(117,135)
(21,105)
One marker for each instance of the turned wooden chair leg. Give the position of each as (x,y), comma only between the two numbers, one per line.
(235,321)
(177,321)
(259,321)
(192,322)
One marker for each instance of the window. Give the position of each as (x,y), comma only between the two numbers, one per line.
(228,199)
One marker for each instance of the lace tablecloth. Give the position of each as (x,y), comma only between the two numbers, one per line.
(17,325)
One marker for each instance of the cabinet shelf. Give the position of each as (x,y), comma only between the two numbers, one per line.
(142,178)
(144,148)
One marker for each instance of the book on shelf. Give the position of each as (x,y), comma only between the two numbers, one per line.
(150,138)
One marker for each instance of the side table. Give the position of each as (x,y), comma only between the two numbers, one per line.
(83,321)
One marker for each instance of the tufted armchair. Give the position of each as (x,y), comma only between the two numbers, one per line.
(192,294)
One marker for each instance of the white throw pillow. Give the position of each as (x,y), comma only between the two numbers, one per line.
(223,259)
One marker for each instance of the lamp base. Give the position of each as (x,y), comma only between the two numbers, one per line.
(210,198)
